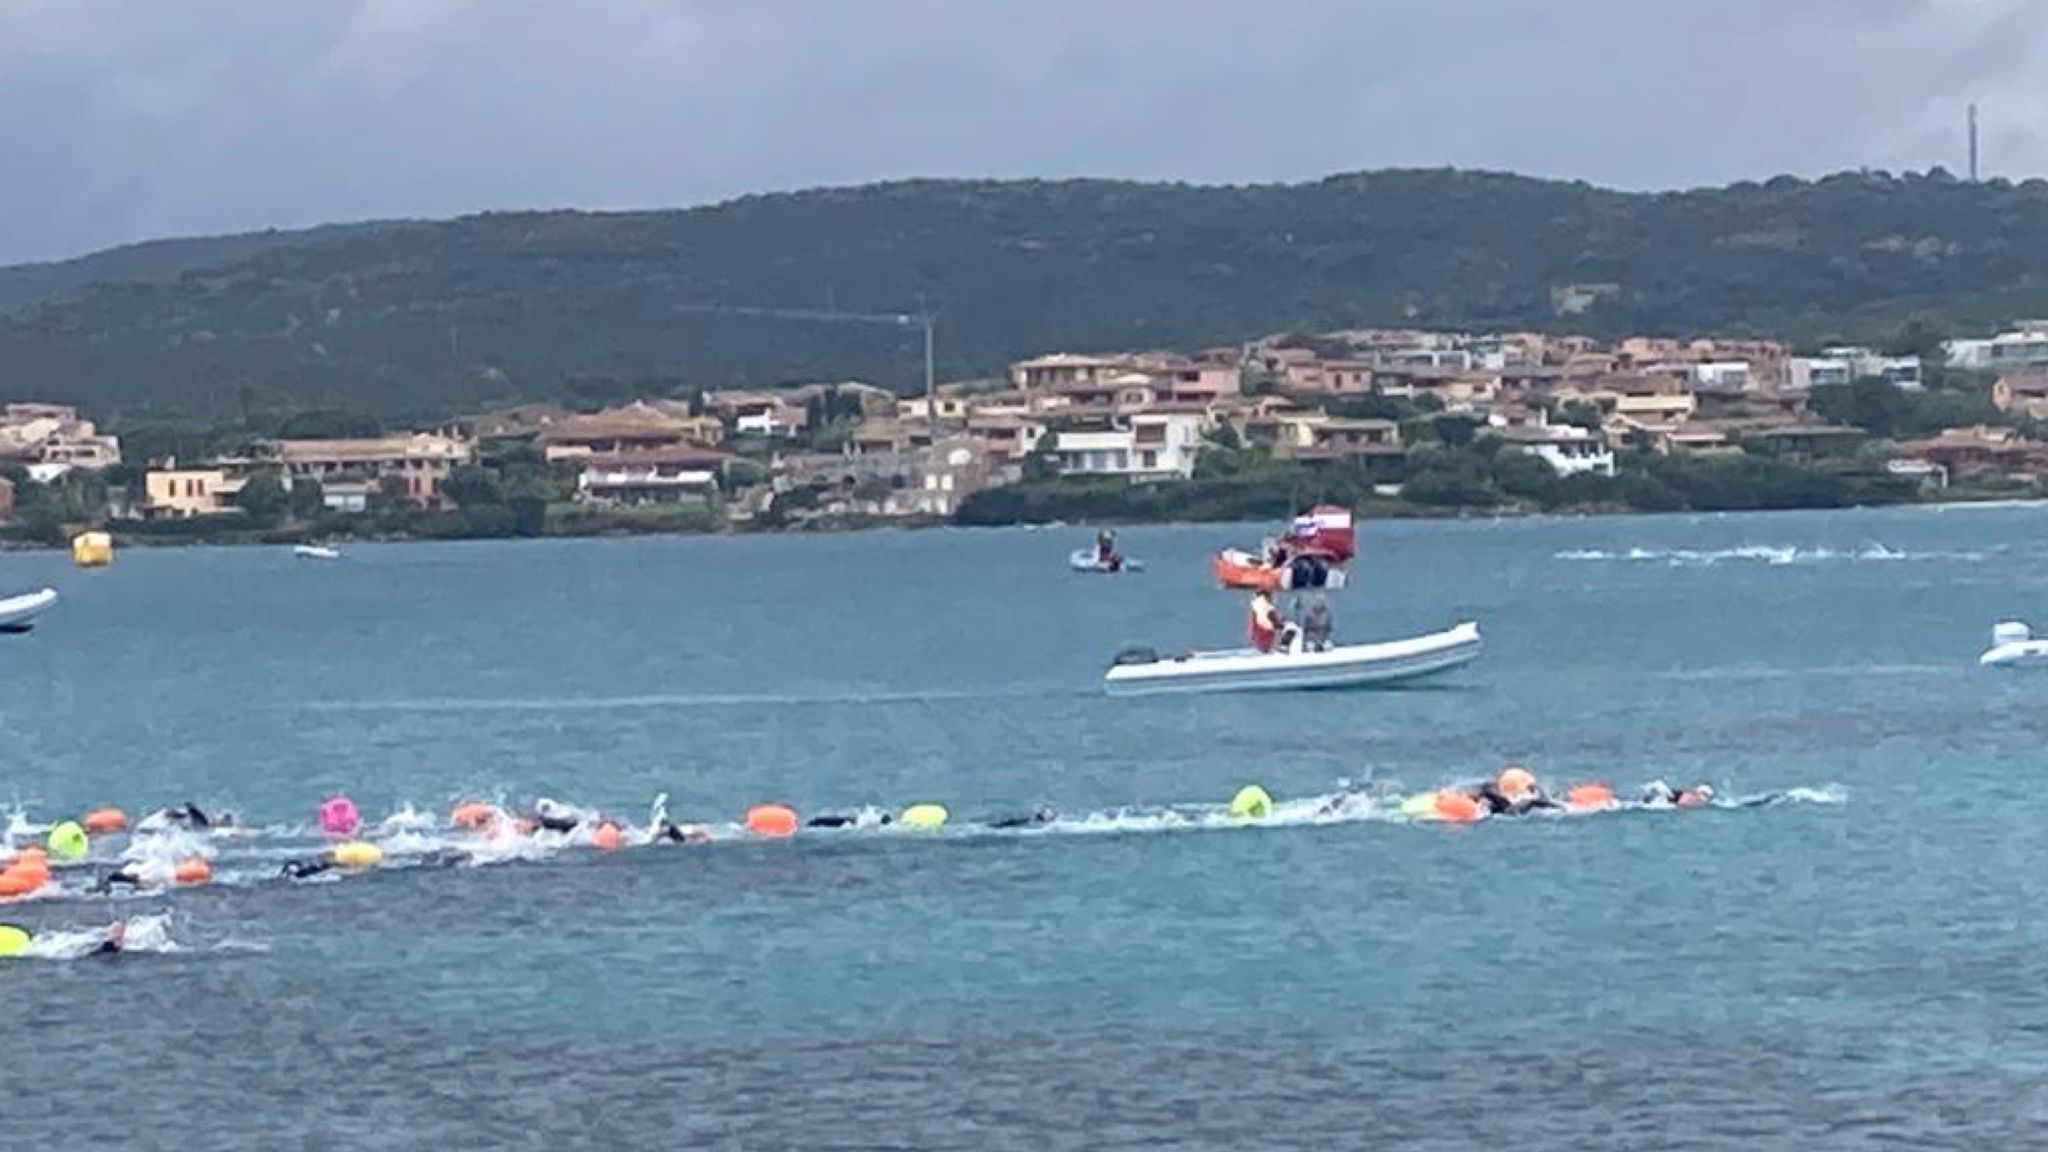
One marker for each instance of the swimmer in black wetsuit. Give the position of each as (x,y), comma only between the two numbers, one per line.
(1038,819)
(553,817)
(301,869)
(681,833)
(839,820)
(1659,793)
(1495,803)
(127,875)
(116,941)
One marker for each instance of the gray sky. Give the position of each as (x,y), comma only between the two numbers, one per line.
(134,119)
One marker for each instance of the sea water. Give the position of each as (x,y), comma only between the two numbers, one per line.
(1856,968)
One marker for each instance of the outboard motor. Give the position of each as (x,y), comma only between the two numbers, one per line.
(2010,632)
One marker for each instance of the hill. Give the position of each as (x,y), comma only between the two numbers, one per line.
(420,318)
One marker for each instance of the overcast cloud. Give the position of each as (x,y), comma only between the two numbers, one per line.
(132,119)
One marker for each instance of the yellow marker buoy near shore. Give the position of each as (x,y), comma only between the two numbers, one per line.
(358,854)
(1251,803)
(92,549)
(924,816)
(67,841)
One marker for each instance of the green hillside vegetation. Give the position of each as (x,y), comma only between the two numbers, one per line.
(411,320)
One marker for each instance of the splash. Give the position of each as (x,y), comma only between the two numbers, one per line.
(1770,555)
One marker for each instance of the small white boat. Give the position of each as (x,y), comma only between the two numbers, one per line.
(1085,560)
(2013,646)
(315,552)
(18,613)
(1245,670)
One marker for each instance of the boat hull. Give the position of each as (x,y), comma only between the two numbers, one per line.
(1353,666)
(2018,654)
(1084,560)
(19,613)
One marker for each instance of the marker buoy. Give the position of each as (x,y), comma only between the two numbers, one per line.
(358,854)
(193,870)
(1589,797)
(105,821)
(926,817)
(67,841)
(338,817)
(771,820)
(607,838)
(473,815)
(14,940)
(1456,807)
(1251,803)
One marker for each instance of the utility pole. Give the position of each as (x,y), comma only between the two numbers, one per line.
(1973,142)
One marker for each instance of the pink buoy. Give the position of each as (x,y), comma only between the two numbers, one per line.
(338,817)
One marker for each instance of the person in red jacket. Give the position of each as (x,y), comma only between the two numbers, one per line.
(1265,621)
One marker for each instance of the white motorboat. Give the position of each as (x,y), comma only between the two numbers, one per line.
(18,613)
(315,552)
(2013,646)
(1142,672)
(1085,560)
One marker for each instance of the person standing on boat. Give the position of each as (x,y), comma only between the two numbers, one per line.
(1317,624)
(1105,551)
(1266,621)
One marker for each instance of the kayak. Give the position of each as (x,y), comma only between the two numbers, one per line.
(18,613)
(1143,672)
(1084,560)
(1236,568)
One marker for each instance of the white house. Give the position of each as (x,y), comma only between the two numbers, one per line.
(1149,446)
(1567,449)
(1864,364)
(1807,372)
(1723,375)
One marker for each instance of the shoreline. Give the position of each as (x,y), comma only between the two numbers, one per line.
(847,525)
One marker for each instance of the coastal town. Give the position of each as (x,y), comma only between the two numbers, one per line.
(1373,403)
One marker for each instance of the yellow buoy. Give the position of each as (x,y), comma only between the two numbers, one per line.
(67,841)
(1251,803)
(358,854)
(92,549)
(925,816)
(14,940)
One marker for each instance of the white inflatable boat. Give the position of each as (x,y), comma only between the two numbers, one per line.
(1141,672)
(18,613)
(2013,646)
(315,552)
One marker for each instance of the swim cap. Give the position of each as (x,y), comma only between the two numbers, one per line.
(1515,782)
(338,816)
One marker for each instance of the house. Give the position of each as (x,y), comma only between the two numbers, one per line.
(952,409)
(1140,446)
(1808,441)
(1567,449)
(52,440)
(761,415)
(888,437)
(1334,438)
(418,463)
(1971,451)
(2023,392)
(1655,407)
(635,427)
(942,476)
(181,493)
(1723,376)
(1203,381)
(1803,373)
(1062,370)
(508,425)
(1864,364)
(1006,437)
(662,476)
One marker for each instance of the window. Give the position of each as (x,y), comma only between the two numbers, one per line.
(1151,460)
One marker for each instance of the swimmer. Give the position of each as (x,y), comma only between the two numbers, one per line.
(127,875)
(1038,819)
(839,820)
(303,869)
(1659,793)
(553,817)
(189,815)
(115,941)
(682,833)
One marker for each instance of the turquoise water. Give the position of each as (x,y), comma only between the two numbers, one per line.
(1853,968)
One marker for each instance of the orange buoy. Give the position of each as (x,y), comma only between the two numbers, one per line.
(105,821)
(1690,798)
(14,882)
(771,820)
(607,838)
(193,870)
(473,815)
(31,855)
(1456,807)
(1585,797)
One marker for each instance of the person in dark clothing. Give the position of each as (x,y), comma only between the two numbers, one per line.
(1318,624)
(116,941)
(1039,818)
(1660,793)
(843,820)
(669,830)
(303,869)
(126,876)
(553,817)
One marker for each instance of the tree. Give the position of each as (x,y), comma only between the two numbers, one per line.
(1526,477)
(1044,462)
(391,494)
(1455,431)
(309,499)
(264,499)
(472,486)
